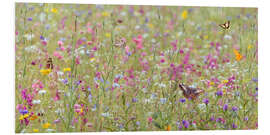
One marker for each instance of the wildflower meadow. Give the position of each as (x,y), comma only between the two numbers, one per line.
(107,68)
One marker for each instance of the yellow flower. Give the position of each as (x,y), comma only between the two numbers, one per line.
(184,14)
(168,128)
(250,46)
(117,29)
(21,117)
(224,91)
(238,56)
(92,59)
(151,57)
(67,69)
(45,71)
(46,125)
(205,37)
(35,130)
(211,83)
(108,35)
(54,10)
(225,81)
(105,14)
(25,116)
(150,25)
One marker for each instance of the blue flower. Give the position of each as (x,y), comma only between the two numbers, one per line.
(23,111)
(182,100)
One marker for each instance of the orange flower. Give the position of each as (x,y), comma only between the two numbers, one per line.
(33,117)
(238,56)
(168,128)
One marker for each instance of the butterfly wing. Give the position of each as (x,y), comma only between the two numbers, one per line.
(49,64)
(226,25)
(190,92)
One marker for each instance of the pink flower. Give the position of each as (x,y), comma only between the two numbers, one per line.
(127,49)
(220,85)
(77,60)
(186,58)
(90,42)
(181,51)
(162,60)
(44,42)
(60,43)
(150,119)
(58,55)
(62,48)
(174,45)
(138,41)
(57,96)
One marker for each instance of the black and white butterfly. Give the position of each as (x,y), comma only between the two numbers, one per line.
(190,92)
(226,25)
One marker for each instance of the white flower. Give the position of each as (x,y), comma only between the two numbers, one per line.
(41,92)
(50,130)
(36,101)
(227,37)
(163,100)
(105,114)
(162,85)
(60,73)
(29,36)
(123,13)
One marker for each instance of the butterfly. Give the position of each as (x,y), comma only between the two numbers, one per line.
(190,92)
(49,64)
(120,43)
(119,21)
(226,25)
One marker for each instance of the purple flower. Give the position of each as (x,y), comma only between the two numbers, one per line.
(234,125)
(212,118)
(180,127)
(234,108)
(41,37)
(182,100)
(206,101)
(56,121)
(138,123)
(30,19)
(134,100)
(254,79)
(65,81)
(185,123)
(219,93)
(246,119)
(225,107)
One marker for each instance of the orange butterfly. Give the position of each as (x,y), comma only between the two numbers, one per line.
(190,92)
(49,64)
